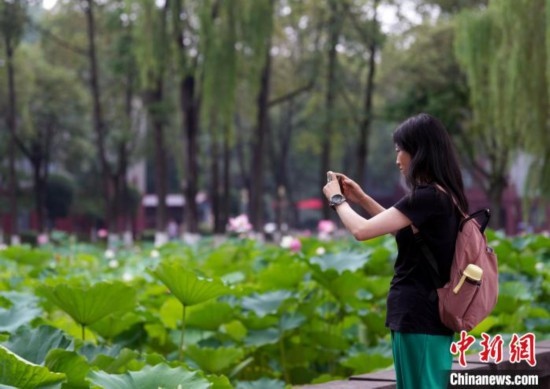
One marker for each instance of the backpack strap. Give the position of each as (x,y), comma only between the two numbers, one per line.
(485,212)
(433,268)
(464,214)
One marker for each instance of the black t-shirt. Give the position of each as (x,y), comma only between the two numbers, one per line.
(412,305)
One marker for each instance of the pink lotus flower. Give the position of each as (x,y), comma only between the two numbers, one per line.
(102,233)
(289,242)
(295,245)
(239,224)
(42,239)
(326,226)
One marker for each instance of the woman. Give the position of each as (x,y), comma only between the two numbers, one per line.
(426,158)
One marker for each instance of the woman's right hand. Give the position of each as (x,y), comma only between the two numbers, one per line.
(350,189)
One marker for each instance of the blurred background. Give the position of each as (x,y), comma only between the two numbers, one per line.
(141,117)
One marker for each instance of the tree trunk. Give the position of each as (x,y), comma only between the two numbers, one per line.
(160,159)
(495,189)
(12,129)
(279,163)
(98,123)
(366,121)
(226,194)
(122,210)
(329,100)
(125,148)
(39,185)
(190,107)
(256,205)
(215,190)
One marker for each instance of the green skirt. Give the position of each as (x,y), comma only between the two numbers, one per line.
(421,361)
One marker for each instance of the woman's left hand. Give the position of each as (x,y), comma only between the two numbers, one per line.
(332,186)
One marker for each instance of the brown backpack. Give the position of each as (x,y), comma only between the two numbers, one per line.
(472,290)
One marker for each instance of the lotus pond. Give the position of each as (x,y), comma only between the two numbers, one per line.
(237,314)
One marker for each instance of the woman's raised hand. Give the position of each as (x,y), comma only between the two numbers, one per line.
(350,189)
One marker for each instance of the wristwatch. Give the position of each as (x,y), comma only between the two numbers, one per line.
(336,200)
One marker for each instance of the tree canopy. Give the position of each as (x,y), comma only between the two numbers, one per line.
(249,101)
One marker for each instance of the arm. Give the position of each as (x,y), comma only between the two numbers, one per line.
(370,205)
(385,222)
(353,192)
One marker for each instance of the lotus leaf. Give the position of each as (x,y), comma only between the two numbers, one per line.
(340,262)
(485,325)
(233,278)
(111,326)
(188,288)
(26,255)
(267,303)
(150,377)
(171,312)
(330,341)
(253,322)
(366,362)
(284,274)
(219,382)
(209,315)
(34,344)
(92,351)
(262,337)
(346,287)
(262,383)
(291,321)
(116,364)
(87,304)
(74,366)
(23,374)
(215,360)
(23,309)
(235,329)
(380,261)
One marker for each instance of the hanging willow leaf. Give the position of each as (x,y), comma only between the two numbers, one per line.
(19,373)
(186,286)
(87,304)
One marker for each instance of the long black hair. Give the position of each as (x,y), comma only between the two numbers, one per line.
(433,156)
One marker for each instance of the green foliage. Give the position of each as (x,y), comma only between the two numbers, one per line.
(424,76)
(26,255)
(34,344)
(19,373)
(86,303)
(215,360)
(509,104)
(17,309)
(73,365)
(266,330)
(151,377)
(186,286)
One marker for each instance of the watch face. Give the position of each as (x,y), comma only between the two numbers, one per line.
(337,199)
